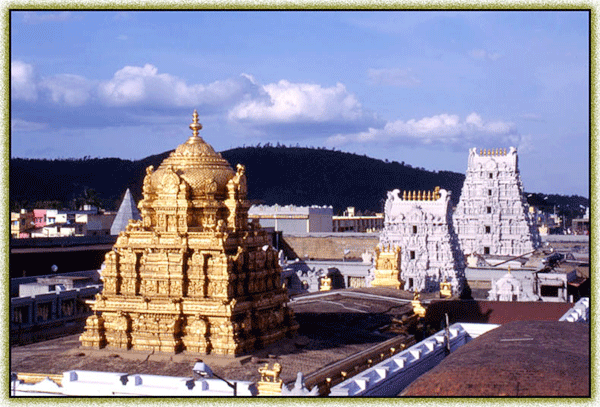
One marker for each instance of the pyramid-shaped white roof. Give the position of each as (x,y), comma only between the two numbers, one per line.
(127,211)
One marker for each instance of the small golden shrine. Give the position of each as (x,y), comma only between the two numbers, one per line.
(325,283)
(192,275)
(418,308)
(445,289)
(387,268)
(270,383)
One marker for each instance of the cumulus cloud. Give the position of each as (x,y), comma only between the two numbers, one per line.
(26,126)
(70,90)
(393,77)
(134,85)
(286,102)
(442,129)
(483,54)
(22,81)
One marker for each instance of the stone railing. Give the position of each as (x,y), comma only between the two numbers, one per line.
(579,313)
(90,383)
(392,375)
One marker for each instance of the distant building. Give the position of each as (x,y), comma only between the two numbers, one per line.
(21,224)
(581,226)
(293,219)
(351,222)
(62,223)
(127,211)
(420,224)
(50,306)
(491,217)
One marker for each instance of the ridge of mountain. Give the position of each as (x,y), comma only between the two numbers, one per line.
(276,175)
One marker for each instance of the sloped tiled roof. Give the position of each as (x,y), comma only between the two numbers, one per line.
(127,211)
(518,359)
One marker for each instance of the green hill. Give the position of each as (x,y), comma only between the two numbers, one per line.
(282,175)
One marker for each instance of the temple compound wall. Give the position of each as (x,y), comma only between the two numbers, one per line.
(193,274)
(491,217)
(419,223)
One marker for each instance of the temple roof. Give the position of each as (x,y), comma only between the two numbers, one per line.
(196,162)
(127,211)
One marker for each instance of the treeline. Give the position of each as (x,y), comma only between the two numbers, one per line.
(277,174)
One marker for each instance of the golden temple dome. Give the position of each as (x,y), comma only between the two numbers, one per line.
(197,163)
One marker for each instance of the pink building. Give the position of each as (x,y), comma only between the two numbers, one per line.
(39,217)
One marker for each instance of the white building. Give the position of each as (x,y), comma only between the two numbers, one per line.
(420,224)
(491,217)
(351,222)
(293,219)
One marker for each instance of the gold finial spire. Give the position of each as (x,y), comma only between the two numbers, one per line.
(195,126)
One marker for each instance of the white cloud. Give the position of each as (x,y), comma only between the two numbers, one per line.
(393,77)
(532,116)
(483,54)
(26,126)
(71,90)
(286,102)
(135,85)
(33,17)
(442,129)
(22,81)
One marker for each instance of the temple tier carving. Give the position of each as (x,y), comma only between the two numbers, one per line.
(193,275)
(420,224)
(491,217)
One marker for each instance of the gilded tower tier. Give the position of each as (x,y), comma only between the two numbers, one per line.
(192,275)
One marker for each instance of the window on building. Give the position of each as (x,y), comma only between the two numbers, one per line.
(43,311)
(414,230)
(67,308)
(549,291)
(412,254)
(488,229)
(489,192)
(486,250)
(491,175)
(489,209)
(21,315)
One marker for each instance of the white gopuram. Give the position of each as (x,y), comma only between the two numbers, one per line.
(419,223)
(491,217)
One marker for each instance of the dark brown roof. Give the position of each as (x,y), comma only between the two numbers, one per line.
(494,312)
(521,358)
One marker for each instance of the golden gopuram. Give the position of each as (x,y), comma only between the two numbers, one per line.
(387,268)
(192,275)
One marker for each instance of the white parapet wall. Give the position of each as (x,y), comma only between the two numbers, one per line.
(91,383)
(390,377)
(579,313)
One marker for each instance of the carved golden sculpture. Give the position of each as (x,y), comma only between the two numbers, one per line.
(325,283)
(270,384)
(387,268)
(445,289)
(418,308)
(193,275)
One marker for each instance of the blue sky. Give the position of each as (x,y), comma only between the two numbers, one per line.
(415,86)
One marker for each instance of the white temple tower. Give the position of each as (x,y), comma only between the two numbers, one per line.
(491,217)
(419,223)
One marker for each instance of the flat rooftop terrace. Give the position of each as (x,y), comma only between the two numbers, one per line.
(333,326)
